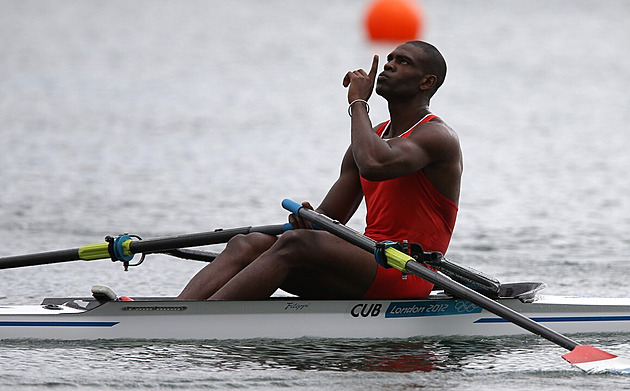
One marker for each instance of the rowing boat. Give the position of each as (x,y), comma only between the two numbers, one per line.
(290,317)
(470,304)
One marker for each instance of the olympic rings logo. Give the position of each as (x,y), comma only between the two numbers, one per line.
(463,306)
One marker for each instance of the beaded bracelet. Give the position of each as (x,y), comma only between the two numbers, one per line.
(367,107)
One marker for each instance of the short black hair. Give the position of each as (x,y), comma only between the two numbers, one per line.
(435,64)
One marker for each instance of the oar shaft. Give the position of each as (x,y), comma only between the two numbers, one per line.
(200,239)
(100,250)
(497,308)
(432,276)
(42,258)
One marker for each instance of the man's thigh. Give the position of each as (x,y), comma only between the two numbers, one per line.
(330,267)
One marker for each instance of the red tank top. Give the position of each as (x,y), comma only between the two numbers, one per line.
(409,208)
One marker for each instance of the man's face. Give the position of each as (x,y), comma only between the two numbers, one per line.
(402,73)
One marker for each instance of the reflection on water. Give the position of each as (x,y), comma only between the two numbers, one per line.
(301,363)
(383,355)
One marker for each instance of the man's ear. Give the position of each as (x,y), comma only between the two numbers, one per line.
(427,82)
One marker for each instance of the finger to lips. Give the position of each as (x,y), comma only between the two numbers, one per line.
(374,65)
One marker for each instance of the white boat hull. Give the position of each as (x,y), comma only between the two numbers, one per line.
(294,318)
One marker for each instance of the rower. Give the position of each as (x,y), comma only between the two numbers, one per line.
(407,168)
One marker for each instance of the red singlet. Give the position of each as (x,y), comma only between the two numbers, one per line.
(406,208)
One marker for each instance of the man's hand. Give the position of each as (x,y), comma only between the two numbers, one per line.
(361,83)
(298,222)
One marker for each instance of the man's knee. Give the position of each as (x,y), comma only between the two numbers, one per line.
(296,244)
(250,245)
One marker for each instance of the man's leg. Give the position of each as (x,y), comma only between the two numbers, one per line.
(308,263)
(239,252)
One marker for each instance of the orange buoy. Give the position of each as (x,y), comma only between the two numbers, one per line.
(394,20)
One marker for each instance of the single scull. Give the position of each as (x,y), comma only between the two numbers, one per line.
(290,317)
(471,303)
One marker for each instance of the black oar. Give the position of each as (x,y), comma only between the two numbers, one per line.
(585,357)
(123,247)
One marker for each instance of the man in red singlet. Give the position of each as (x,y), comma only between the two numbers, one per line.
(409,171)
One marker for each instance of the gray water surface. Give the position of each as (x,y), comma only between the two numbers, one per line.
(164,117)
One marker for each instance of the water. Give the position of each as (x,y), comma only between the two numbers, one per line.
(302,364)
(167,117)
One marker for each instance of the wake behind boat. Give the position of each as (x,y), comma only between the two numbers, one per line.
(289,317)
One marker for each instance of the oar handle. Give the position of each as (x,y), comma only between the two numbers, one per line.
(291,206)
(330,225)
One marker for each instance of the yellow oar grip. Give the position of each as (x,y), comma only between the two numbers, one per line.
(94,251)
(100,251)
(397,259)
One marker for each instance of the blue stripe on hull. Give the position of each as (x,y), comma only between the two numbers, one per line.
(551,319)
(56,324)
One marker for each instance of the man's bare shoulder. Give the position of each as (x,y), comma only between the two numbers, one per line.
(445,170)
(437,135)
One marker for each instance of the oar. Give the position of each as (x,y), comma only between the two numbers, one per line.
(194,255)
(585,357)
(123,247)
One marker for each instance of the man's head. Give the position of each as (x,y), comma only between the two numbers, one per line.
(434,63)
(415,67)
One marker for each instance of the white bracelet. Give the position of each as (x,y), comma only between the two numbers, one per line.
(367,107)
